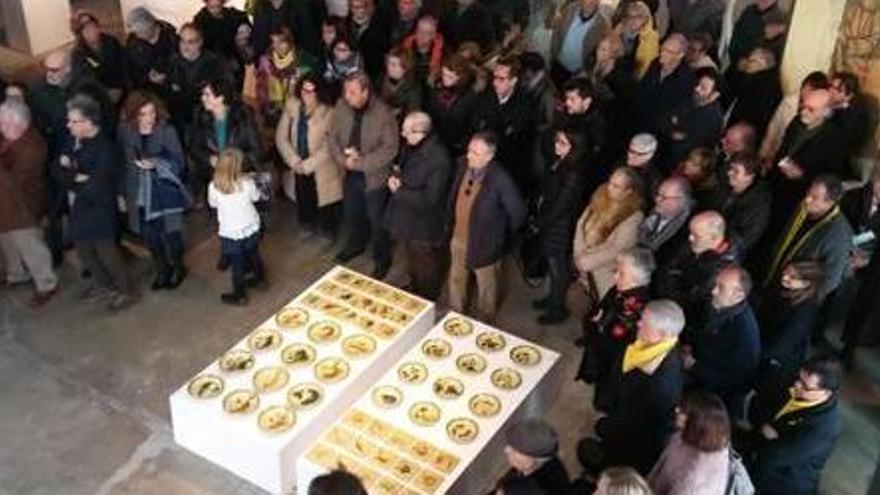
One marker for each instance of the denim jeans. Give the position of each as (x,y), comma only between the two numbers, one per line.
(244,258)
(363,212)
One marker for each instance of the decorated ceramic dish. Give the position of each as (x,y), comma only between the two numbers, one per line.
(412,372)
(387,396)
(436,348)
(424,413)
(291,318)
(458,327)
(447,387)
(506,378)
(276,419)
(270,379)
(484,405)
(358,346)
(298,355)
(304,395)
(462,430)
(265,339)
(241,402)
(471,363)
(236,360)
(205,386)
(491,341)
(332,369)
(525,355)
(324,332)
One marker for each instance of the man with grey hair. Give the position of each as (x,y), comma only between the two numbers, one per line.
(668,83)
(640,157)
(417,210)
(151,44)
(648,385)
(663,231)
(23,161)
(611,326)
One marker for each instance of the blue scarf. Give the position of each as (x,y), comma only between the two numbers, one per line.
(302,134)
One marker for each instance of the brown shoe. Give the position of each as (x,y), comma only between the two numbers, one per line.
(42,297)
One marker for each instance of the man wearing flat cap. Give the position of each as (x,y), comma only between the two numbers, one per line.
(531,451)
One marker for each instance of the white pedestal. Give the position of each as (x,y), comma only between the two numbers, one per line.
(177,12)
(236,443)
(36,26)
(477,460)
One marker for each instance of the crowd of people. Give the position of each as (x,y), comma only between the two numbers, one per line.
(620,156)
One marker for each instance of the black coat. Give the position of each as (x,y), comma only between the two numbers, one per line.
(748,32)
(185,80)
(267,19)
(474,24)
(786,329)
(641,418)
(498,212)
(452,113)
(747,214)
(855,123)
(372,44)
(688,279)
(106,65)
(755,98)
(550,479)
(605,340)
(655,98)
(93,214)
(591,125)
(563,191)
(727,348)
(417,210)
(821,152)
(699,125)
(511,123)
(242,133)
(792,464)
(219,32)
(143,57)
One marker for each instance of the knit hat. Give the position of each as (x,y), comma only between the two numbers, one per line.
(533,437)
(140,19)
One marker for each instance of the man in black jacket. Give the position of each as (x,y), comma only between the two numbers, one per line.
(746,200)
(416,213)
(724,347)
(694,123)
(370,35)
(188,71)
(647,383)
(798,431)
(485,208)
(150,45)
(667,83)
(469,20)
(532,452)
(506,112)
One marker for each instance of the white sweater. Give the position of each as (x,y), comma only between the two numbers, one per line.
(236,215)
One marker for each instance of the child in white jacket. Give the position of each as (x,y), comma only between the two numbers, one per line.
(233,194)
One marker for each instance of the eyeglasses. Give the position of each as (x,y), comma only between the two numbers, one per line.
(662,197)
(639,153)
(310,91)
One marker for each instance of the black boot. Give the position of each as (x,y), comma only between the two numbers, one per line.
(235,298)
(178,270)
(162,272)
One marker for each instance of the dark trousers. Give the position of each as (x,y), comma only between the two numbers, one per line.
(165,247)
(244,258)
(306,199)
(864,307)
(559,271)
(363,213)
(57,208)
(103,260)
(426,262)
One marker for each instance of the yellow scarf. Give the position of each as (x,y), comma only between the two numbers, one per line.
(279,87)
(799,218)
(643,356)
(795,404)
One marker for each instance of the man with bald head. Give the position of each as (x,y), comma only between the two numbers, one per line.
(668,83)
(812,146)
(688,278)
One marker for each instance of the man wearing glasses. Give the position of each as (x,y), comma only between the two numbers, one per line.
(189,69)
(664,231)
(798,431)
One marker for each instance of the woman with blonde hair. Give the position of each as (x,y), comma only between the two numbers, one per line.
(621,480)
(607,227)
(233,194)
(640,39)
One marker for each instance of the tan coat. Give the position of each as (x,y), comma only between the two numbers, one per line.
(600,260)
(560,29)
(328,180)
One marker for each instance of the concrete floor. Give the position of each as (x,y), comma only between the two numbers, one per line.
(85,392)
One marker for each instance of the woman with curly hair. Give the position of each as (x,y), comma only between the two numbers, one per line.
(608,225)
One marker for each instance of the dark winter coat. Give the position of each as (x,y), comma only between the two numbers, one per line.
(417,210)
(698,125)
(605,340)
(143,57)
(641,418)
(748,32)
(185,80)
(550,479)
(474,24)
(452,111)
(563,192)
(267,19)
(497,213)
(372,43)
(219,32)
(688,278)
(107,65)
(756,97)
(747,214)
(93,213)
(655,97)
(727,348)
(242,134)
(792,464)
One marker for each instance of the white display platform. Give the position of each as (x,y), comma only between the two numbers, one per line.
(392,454)
(268,460)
